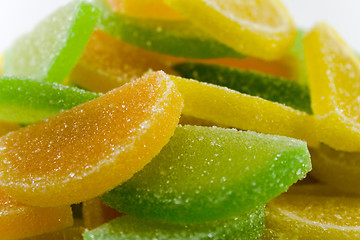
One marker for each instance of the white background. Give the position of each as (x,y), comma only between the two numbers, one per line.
(18,16)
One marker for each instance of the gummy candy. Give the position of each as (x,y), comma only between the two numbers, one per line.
(26,101)
(71,233)
(20,221)
(49,52)
(62,159)
(268,87)
(204,174)
(246,226)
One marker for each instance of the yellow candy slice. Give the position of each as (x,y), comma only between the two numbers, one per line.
(6,127)
(96,213)
(20,221)
(314,216)
(91,148)
(230,108)
(155,9)
(334,73)
(338,169)
(72,233)
(107,63)
(261,29)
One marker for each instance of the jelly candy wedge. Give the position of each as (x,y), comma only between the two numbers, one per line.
(26,101)
(91,148)
(107,63)
(6,127)
(246,226)
(20,221)
(71,233)
(334,73)
(204,174)
(261,29)
(230,108)
(253,83)
(96,213)
(300,217)
(338,169)
(52,48)
(144,9)
(176,38)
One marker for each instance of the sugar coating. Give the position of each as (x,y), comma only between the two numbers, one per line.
(205,174)
(314,217)
(107,63)
(26,101)
(91,148)
(246,226)
(52,48)
(271,88)
(20,221)
(175,38)
(338,169)
(156,9)
(230,108)
(334,72)
(262,29)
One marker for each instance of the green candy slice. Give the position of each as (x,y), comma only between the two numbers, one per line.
(209,173)
(268,87)
(246,226)
(52,48)
(27,101)
(176,38)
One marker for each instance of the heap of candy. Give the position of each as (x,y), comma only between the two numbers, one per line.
(178,119)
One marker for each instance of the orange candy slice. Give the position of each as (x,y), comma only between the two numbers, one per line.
(71,233)
(107,63)
(144,9)
(20,221)
(6,127)
(91,148)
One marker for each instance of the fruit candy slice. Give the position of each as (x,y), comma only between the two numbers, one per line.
(176,38)
(245,226)
(268,87)
(27,101)
(50,51)
(294,216)
(91,148)
(72,233)
(144,9)
(1,65)
(107,63)
(19,221)
(204,174)
(96,213)
(338,169)
(230,108)
(6,127)
(334,73)
(261,29)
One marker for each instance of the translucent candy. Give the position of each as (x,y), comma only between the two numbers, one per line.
(338,169)
(96,213)
(314,216)
(72,233)
(246,226)
(6,127)
(262,29)
(52,48)
(20,221)
(156,9)
(230,108)
(91,148)
(107,63)
(176,38)
(334,73)
(204,174)
(26,101)
(253,83)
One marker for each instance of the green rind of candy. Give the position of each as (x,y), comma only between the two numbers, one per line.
(175,38)
(268,87)
(247,226)
(208,173)
(27,101)
(52,48)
